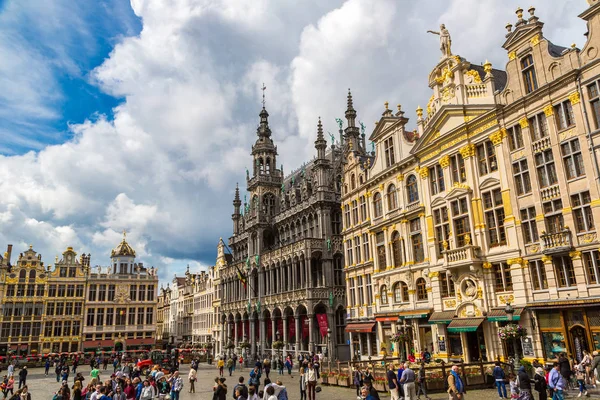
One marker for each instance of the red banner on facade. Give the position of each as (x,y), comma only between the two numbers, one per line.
(292,328)
(322,321)
(247,328)
(280,328)
(269,329)
(304,322)
(240,333)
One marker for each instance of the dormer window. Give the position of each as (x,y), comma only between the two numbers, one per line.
(388,146)
(528,71)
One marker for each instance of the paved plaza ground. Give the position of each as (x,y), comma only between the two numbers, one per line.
(43,388)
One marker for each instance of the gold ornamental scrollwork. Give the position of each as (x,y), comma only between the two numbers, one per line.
(444,161)
(506,299)
(467,151)
(574,98)
(434,274)
(575,255)
(450,303)
(524,122)
(424,172)
(497,137)
(512,55)
(549,110)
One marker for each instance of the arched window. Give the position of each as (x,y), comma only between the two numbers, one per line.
(392,197)
(400,292)
(268,166)
(32,275)
(22,274)
(396,249)
(269,205)
(528,71)
(411,189)
(383,295)
(421,289)
(377,205)
(352,182)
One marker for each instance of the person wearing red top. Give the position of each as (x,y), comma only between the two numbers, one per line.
(129,390)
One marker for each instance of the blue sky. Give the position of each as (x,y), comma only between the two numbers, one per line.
(140,115)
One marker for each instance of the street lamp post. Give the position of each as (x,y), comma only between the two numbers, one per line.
(329,354)
(280,350)
(510,311)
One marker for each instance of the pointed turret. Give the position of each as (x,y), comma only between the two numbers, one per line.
(350,112)
(236,216)
(352,133)
(320,143)
(263,128)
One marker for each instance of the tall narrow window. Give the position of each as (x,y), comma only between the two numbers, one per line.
(377,206)
(515,137)
(442,229)
(388,146)
(584,219)
(528,71)
(436,179)
(392,197)
(421,289)
(357,249)
(416,239)
(457,168)
(486,158)
(400,292)
(349,258)
(546,171)
(355,212)
(538,127)
(360,286)
(565,274)
(381,255)
(447,288)
(521,175)
(363,208)
(352,294)
(396,252)
(572,159)
(538,275)
(369,289)
(503,277)
(494,217)
(553,216)
(383,295)
(564,115)
(412,190)
(366,250)
(591,263)
(460,218)
(528,225)
(347,221)
(593,94)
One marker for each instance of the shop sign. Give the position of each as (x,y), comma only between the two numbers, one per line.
(442,344)
(527,344)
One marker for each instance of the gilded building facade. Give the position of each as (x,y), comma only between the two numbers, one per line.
(121,303)
(204,318)
(287,242)
(490,201)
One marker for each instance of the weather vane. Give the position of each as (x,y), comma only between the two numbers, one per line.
(263,88)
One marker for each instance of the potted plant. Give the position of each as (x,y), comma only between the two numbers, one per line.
(343,380)
(244,345)
(380,384)
(325,378)
(277,345)
(435,380)
(399,337)
(332,379)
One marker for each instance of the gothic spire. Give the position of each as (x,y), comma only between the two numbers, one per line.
(350,112)
(236,200)
(320,143)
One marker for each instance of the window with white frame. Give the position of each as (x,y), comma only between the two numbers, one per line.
(591,263)
(572,158)
(388,146)
(494,217)
(349,258)
(377,205)
(441,225)
(521,175)
(538,275)
(460,219)
(436,179)
(553,216)
(357,249)
(383,298)
(564,117)
(529,225)
(515,137)
(416,239)
(400,292)
(369,289)
(447,288)
(396,251)
(546,171)
(360,287)
(412,191)
(593,94)
(363,208)
(347,220)
(457,168)
(392,197)
(582,210)
(503,279)
(486,158)
(538,127)
(528,72)
(366,250)
(565,273)
(352,297)
(381,255)
(421,286)
(354,212)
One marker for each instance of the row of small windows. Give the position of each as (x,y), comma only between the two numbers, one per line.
(119,316)
(107,292)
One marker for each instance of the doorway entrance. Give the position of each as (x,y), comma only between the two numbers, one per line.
(119,346)
(476,345)
(579,341)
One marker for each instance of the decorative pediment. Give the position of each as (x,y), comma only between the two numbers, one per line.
(458,190)
(440,201)
(489,183)
(384,125)
(523,33)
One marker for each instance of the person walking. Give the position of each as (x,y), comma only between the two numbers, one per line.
(392,382)
(357,379)
(220,392)
(565,368)
(192,378)
(581,376)
(303,383)
(220,366)
(11,369)
(230,364)
(556,382)
(46,366)
(456,387)
(408,379)
(10,385)
(500,378)
(524,384)
(255,375)
(541,386)
(311,379)
(23,376)
(421,380)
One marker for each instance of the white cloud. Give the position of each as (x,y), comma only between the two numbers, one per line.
(165,166)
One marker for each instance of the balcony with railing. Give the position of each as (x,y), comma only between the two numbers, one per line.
(462,256)
(558,242)
(550,192)
(541,144)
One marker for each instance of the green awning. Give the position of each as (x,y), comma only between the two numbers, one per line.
(441,317)
(464,324)
(498,315)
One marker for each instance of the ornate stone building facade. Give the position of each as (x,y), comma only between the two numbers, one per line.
(287,242)
(490,201)
(121,303)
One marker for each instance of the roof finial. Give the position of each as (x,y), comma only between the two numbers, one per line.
(350,106)
(124,234)
(263,88)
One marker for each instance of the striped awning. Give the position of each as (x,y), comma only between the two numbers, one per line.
(365,327)
(465,324)
(441,317)
(498,314)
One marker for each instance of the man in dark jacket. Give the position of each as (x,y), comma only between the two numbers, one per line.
(499,376)
(243,389)
(371,389)
(524,384)
(596,365)
(23,377)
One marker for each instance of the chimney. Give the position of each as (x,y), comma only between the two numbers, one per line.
(8,252)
